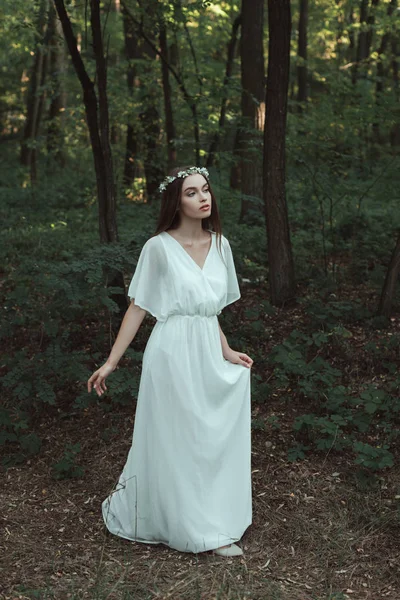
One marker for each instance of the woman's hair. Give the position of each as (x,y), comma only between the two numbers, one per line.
(169,218)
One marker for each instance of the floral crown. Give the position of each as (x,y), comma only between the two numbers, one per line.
(191,171)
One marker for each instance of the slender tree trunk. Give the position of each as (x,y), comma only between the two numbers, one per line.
(228,72)
(150,124)
(169,114)
(131,51)
(367,19)
(281,267)
(139,39)
(302,54)
(38,113)
(370,30)
(253,106)
(395,131)
(97,124)
(391,282)
(107,178)
(35,97)
(352,41)
(113,61)
(55,141)
(96,109)
(339,31)
(235,174)
(380,74)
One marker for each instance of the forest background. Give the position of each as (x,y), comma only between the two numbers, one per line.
(294,109)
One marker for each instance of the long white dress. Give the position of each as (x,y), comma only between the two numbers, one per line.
(187,479)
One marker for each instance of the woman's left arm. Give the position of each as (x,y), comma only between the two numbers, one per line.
(234,357)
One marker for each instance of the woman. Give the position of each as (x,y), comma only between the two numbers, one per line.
(187,479)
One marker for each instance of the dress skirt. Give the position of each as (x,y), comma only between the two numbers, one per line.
(186,482)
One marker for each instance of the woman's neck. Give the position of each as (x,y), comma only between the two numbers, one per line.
(189,229)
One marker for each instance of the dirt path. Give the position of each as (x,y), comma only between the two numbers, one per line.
(314,536)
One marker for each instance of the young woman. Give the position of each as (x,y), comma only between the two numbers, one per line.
(187,479)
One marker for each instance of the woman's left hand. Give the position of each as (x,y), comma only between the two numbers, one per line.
(239,358)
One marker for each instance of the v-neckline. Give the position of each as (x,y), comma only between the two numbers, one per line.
(187,253)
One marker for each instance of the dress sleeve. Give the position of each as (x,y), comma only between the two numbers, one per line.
(232,286)
(147,284)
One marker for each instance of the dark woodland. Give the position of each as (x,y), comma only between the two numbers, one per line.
(293,107)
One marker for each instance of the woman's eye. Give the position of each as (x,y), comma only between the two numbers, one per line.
(190,194)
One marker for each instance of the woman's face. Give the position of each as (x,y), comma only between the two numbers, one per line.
(195,195)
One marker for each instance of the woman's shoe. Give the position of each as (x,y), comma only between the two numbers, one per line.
(231,550)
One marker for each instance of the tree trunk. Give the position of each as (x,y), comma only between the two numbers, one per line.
(98,123)
(370,30)
(351,57)
(228,72)
(339,31)
(367,16)
(380,74)
(35,97)
(169,115)
(302,54)
(55,141)
(150,125)
(253,106)
(235,174)
(131,52)
(389,287)
(149,131)
(281,267)
(107,179)
(113,61)
(395,131)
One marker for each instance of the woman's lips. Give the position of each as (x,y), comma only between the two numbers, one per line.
(205,207)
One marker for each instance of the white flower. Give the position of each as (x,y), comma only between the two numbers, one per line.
(170,178)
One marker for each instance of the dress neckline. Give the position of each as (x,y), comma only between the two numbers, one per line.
(187,253)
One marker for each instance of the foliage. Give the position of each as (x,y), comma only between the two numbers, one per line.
(363,421)
(52,277)
(66,467)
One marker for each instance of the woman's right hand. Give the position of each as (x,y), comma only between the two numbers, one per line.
(98,379)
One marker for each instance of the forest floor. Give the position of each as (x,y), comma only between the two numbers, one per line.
(316,535)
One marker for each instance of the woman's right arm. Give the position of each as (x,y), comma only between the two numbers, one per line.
(130,324)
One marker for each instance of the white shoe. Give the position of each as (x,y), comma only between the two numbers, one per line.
(231,550)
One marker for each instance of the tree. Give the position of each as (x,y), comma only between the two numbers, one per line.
(96,108)
(35,96)
(395,130)
(189,98)
(228,72)
(281,268)
(131,53)
(169,115)
(367,19)
(392,277)
(252,103)
(380,71)
(302,53)
(57,95)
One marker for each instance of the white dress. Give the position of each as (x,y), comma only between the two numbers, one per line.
(187,479)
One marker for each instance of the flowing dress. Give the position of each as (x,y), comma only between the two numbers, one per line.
(186,482)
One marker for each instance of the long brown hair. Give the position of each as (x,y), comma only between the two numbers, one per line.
(169,218)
